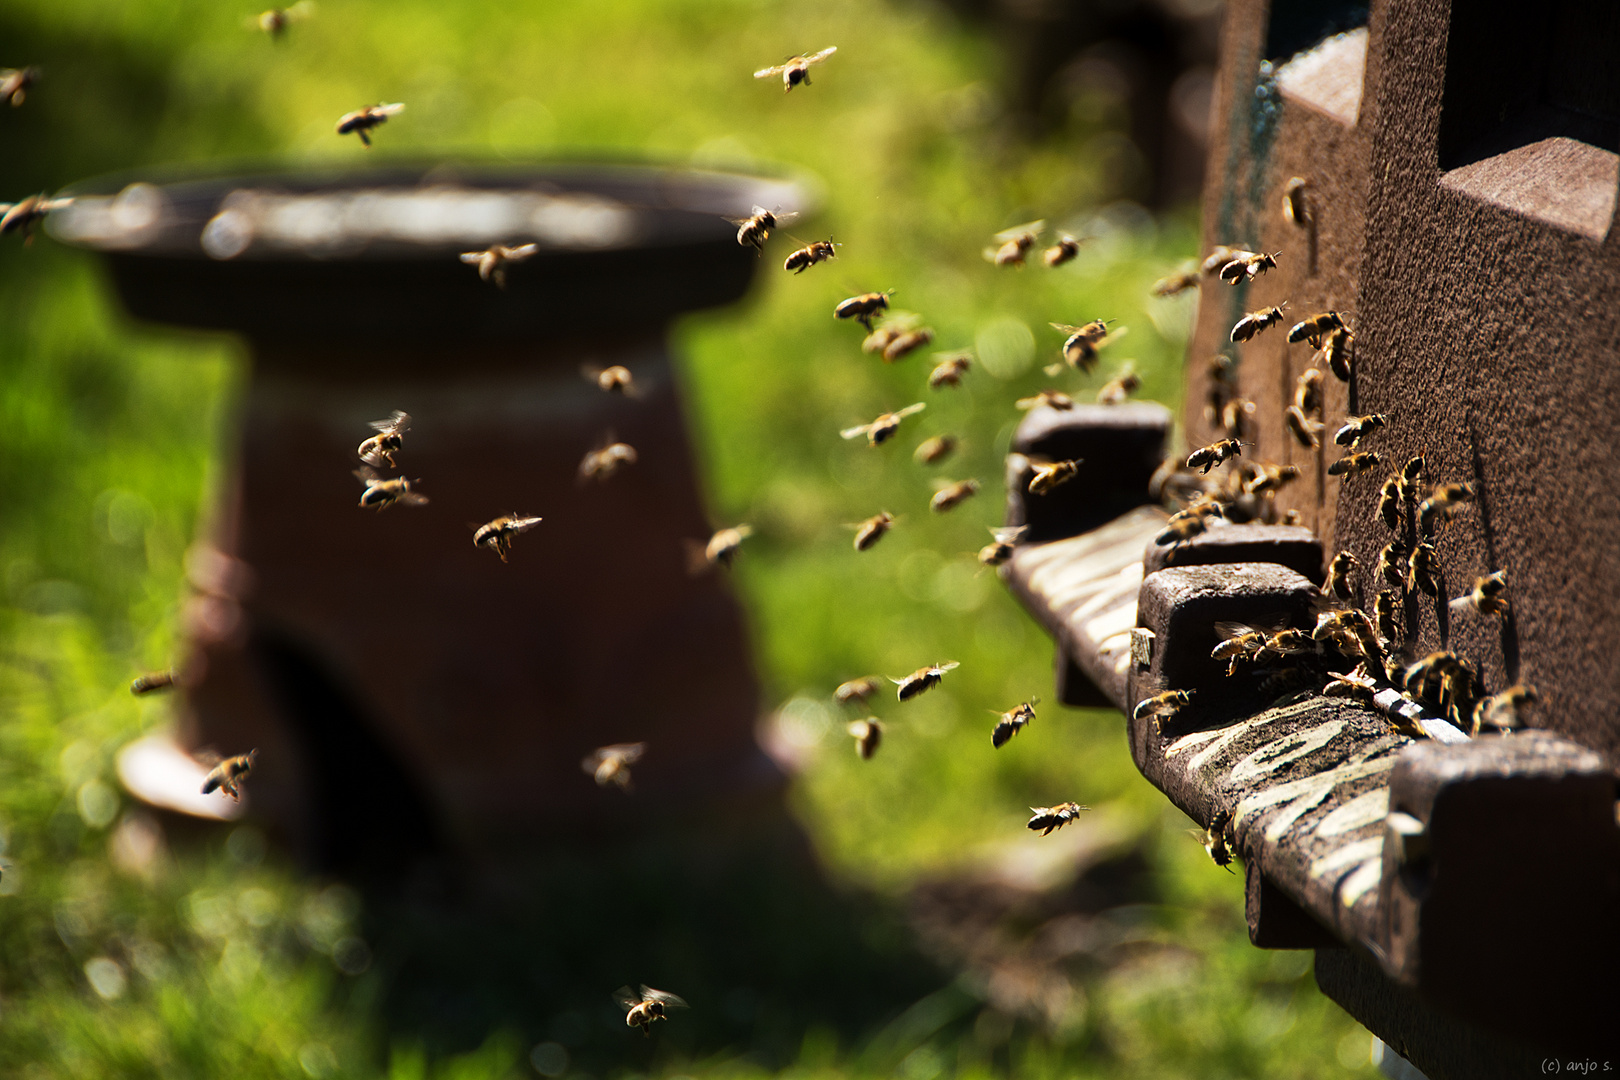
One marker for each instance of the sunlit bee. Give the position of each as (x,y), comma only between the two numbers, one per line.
(861,308)
(1424,569)
(1270,478)
(1236,416)
(381,447)
(953,495)
(872,530)
(1338,576)
(1439,505)
(152,681)
(1247,265)
(1051,399)
(1061,252)
(1504,711)
(1308,392)
(857,689)
(755,229)
(1384,614)
(934,450)
(14,84)
(1336,350)
(1354,464)
(497,534)
(1411,479)
(1120,387)
(1080,347)
(719,551)
(949,370)
(643,1007)
(603,462)
(1351,632)
(1240,639)
(1012,245)
(1050,474)
(1389,501)
(1357,428)
(1353,684)
(380,494)
(611,764)
(1002,547)
(1012,722)
(905,343)
(1175,284)
(1296,211)
(1392,564)
(1256,321)
(814,252)
(924,678)
(1315,327)
(796,69)
(1218,257)
(1486,596)
(615,379)
(21,216)
(275,21)
(1206,458)
(1048,818)
(1185,526)
(361,121)
(880,337)
(1163,705)
(493,260)
(1306,432)
(1217,839)
(883,428)
(228,775)
(868,736)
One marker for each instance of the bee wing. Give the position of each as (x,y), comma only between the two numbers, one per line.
(819,57)
(783,219)
(366,475)
(304,9)
(398,422)
(770,72)
(1064,328)
(911,409)
(1019,230)
(990,253)
(523,524)
(470,257)
(627,998)
(855,432)
(522,251)
(412,498)
(629,753)
(668,999)
(372,457)
(947,665)
(1227,629)
(389,110)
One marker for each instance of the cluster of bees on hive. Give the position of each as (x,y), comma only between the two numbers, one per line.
(1352,651)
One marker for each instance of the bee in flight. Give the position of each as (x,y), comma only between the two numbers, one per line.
(1357,428)
(605,460)
(361,121)
(860,308)
(1255,321)
(614,380)
(380,494)
(1080,347)
(22,215)
(381,447)
(719,551)
(642,1007)
(796,69)
(497,535)
(228,775)
(1176,284)
(814,252)
(1047,475)
(1246,265)
(275,21)
(950,369)
(924,678)
(1051,399)
(1061,252)
(906,342)
(935,450)
(755,229)
(1001,548)
(1352,464)
(858,689)
(870,531)
(1315,328)
(1486,596)
(1336,351)
(1217,839)
(1296,210)
(152,681)
(951,496)
(1338,576)
(1308,392)
(1048,818)
(1013,244)
(1504,711)
(1162,706)
(1120,387)
(1012,722)
(868,736)
(1206,458)
(611,764)
(883,428)
(1306,432)
(1441,503)
(14,84)
(493,260)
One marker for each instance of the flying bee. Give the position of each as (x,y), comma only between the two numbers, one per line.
(1352,464)
(796,69)
(883,428)
(857,689)
(1240,640)
(1316,327)
(1389,501)
(21,216)
(1162,706)
(1218,257)
(1357,428)
(497,535)
(380,494)
(950,369)
(228,775)
(1002,547)
(719,551)
(14,83)
(276,20)
(1411,479)
(934,450)
(1052,399)
(1306,432)
(1120,387)
(1336,350)
(361,121)
(881,336)
(1206,458)
(1012,722)
(1296,210)
(605,460)
(814,252)
(1236,416)
(1217,839)
(872,530)
(1424,566)
(1080,347)
(1175,284)
(1392,564)
(868,736)
(1048,818)
(1351,632)
(1270,478)
(953,495)
(493,260)
(615,379)
(381,447)
(1486,596)
(924,678)
(1246,266)
(1061,252)
(152,681)
(905,343)
(1183,527)
(1440,504)
(755,229)
(1338,576)
(1049,474)
(642,1008)
(1504,711)
(1308,392)
(611,764)
(860,308)
(1256,321)
(1384,612)
(1013,244)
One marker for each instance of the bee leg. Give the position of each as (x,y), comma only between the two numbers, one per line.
(365,139)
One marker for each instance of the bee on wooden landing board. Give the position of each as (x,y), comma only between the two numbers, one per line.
(883,428)
(861,308)
(1001,548)
(228,775)
(795,70)
(1047,818)
(1012,245)
(1412,479)
(1254,322)
(1504,711)
(857,689)
(362,121)
(379,450)
(643,1007)
(1217,839)
(497,534)
(380,494)
(924,678)
(1012,722)
(868,736)
(1424,569)
(611,764)
(1384,612)
(1392,564)
(812,253)
(720,550)
(873,529)
(493,260)
(1389,501)
(951,496)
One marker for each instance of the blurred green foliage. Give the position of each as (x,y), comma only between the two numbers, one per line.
(122,955)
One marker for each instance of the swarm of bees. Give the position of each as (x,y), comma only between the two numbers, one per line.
(362,121)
